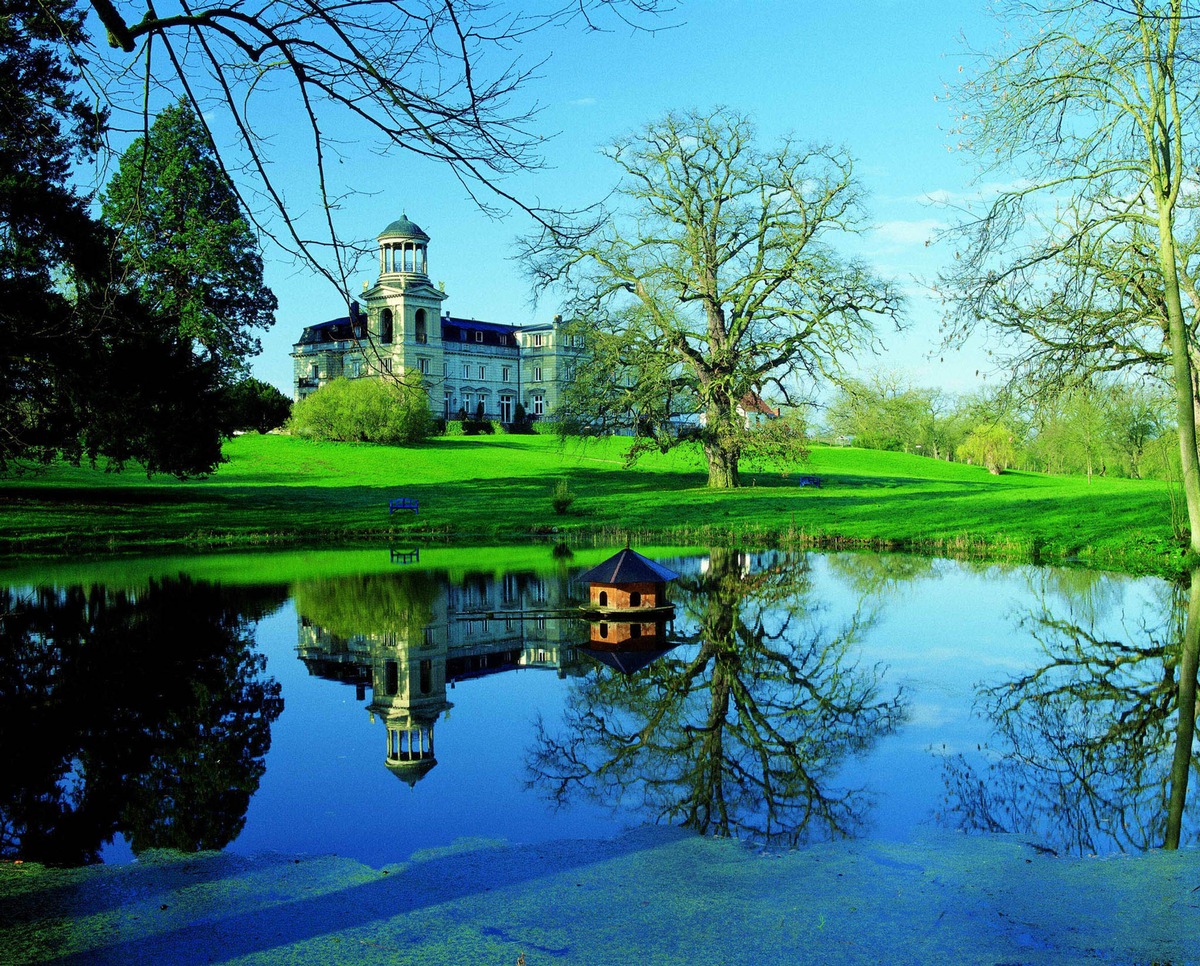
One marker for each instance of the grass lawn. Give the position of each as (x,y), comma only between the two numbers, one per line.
(280,490)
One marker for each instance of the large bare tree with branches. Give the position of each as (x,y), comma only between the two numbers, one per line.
(440,79)
(710,275)
(1087,262)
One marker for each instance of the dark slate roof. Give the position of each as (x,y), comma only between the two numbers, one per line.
(335,330)
(627,567)
(475,324)
(402,226)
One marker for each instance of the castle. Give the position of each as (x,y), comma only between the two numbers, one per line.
(396,326)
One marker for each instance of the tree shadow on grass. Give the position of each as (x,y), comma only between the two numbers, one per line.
(288,916)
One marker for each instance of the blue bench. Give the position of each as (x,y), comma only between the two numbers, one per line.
(808,481)
(402,503)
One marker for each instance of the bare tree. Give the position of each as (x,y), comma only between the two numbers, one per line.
(714,275)
(1084,264)
(432,78)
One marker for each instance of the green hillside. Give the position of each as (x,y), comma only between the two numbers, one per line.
(280,490)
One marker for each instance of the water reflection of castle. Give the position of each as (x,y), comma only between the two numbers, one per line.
(452,631)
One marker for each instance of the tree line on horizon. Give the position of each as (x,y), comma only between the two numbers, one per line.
(1105,427)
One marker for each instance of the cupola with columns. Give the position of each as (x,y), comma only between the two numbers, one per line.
(404,309)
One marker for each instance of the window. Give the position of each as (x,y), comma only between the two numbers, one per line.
(478,336)
(539,404)
(385,326)
(537,373)
(467,402)
(355,368)
(481,375)
(447,403)
(506,409)
(386,365)
(506,374)
(466,370)
(426,676)
(462,335)
(419,332)
(537,340)
(423,365)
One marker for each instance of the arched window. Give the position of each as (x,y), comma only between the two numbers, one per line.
(604,630)
(635,599)
(385,326)
(420,333)
(603,598)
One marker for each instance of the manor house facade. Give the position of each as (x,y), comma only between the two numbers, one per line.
(397,326)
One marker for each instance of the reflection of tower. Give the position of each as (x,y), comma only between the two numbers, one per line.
(409,692)
(411,637)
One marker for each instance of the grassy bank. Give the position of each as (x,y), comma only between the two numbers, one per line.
(276,490)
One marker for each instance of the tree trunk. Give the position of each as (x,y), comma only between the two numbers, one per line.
(1185,728)
(722,448)
(1185,402)
(722,467)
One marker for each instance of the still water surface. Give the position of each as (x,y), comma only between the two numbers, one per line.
(792,699)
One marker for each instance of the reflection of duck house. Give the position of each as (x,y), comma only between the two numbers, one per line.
(628,646)
(629,585)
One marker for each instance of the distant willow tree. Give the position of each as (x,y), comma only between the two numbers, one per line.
(189,248)
(712,277)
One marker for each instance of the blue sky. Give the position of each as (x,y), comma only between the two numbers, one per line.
(869,75)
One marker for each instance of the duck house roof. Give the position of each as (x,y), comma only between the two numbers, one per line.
(627,567)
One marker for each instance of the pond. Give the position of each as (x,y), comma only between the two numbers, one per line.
(371,705)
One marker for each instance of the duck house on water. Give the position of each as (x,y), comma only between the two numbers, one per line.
(629,585)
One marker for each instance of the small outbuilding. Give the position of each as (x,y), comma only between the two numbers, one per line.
(627,582)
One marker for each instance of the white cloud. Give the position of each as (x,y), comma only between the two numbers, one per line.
(582,102)
(907,234)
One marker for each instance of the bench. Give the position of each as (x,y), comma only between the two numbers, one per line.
(808,481)
(402,503)
(406,556)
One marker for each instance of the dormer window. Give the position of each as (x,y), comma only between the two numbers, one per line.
(478,336)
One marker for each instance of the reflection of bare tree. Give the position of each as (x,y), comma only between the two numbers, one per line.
(880,575)
(1086,738)
(742,734)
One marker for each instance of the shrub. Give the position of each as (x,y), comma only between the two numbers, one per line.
(562,497)
(454,427)
(365,411)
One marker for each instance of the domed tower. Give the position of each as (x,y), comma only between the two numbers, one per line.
(404,309)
